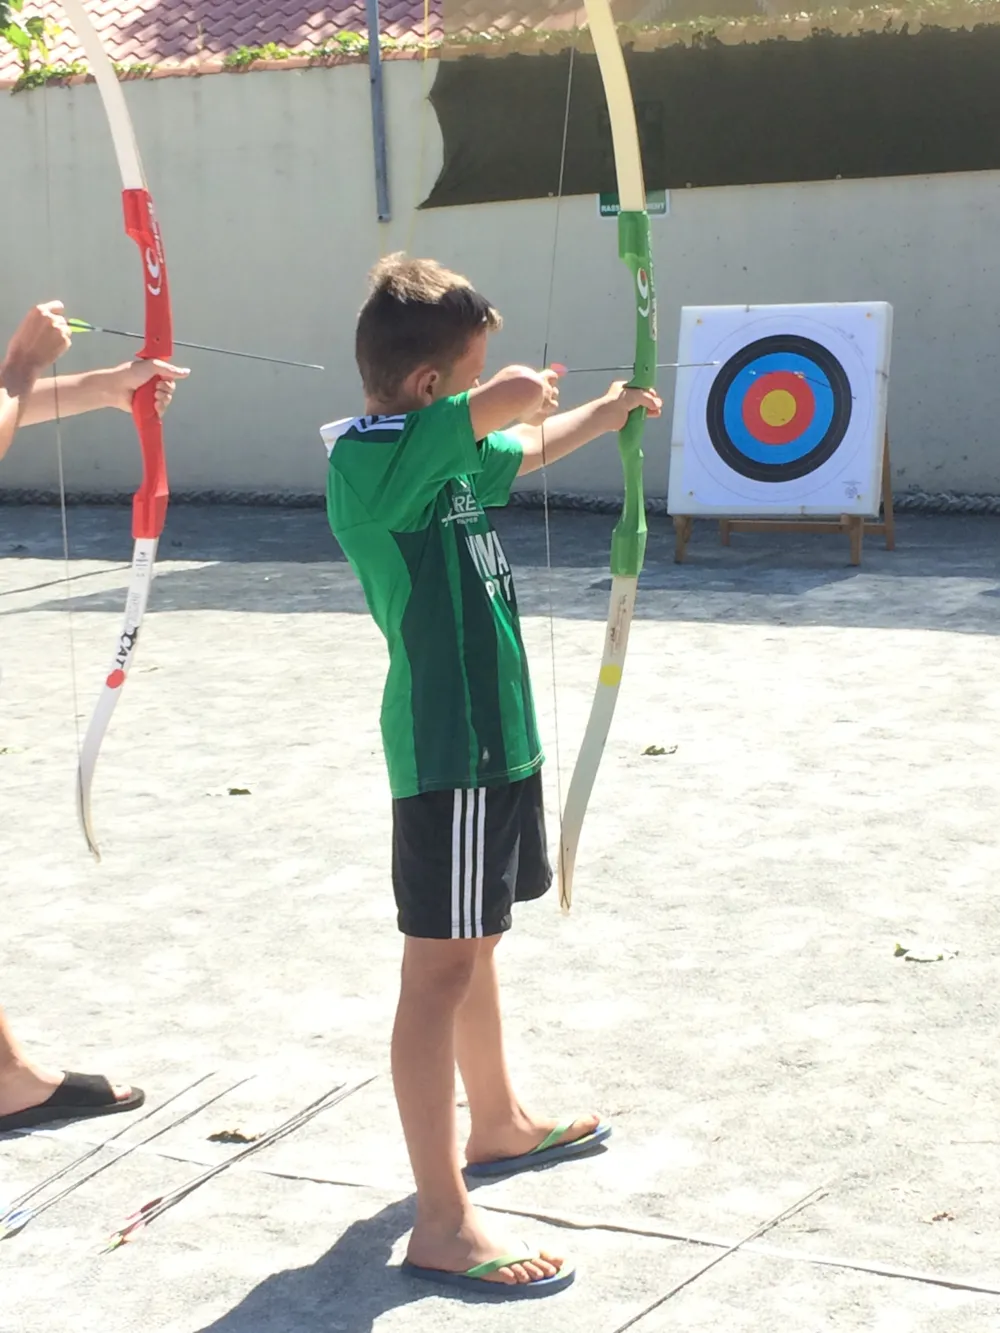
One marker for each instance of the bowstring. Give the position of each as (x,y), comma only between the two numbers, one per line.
(67,581)
(547,329)
(545,471)
(422,140)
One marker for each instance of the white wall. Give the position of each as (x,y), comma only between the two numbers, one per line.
(264,186)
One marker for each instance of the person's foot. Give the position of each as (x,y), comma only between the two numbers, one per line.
(448,1249)
(522,1135)
(23,1086)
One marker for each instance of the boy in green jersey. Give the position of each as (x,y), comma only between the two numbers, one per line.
(408,489)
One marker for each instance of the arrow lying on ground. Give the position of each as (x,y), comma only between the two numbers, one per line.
(155,1208)
(17,1217)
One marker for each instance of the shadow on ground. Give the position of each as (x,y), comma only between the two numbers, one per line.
(945,572)
(345,1291)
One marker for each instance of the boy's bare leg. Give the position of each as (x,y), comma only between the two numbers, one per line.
(501,1127)
(449,1234)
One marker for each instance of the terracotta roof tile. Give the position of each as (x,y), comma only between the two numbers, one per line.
(194,32)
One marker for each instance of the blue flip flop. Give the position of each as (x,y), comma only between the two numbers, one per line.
(548,1151)
(476,1279)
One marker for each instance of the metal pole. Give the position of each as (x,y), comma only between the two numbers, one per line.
(378,109)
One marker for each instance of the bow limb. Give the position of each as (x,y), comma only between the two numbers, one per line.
(149,504)
(628,542)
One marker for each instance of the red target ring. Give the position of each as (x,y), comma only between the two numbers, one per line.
(765,407)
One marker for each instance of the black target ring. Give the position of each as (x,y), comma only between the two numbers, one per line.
(802,450)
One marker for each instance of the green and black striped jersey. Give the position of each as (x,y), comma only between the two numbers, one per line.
(406,499)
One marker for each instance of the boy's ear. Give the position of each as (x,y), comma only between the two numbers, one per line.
(425,383)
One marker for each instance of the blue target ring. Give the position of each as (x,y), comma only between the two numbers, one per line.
(818,421)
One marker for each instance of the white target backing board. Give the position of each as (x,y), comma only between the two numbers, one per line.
(789,416)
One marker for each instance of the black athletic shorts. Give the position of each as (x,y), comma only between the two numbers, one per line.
(460,859)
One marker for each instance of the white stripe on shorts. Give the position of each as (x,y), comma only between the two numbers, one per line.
(468,847)
(480,860)
(456,867)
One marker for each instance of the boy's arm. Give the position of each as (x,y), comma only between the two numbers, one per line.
(562,434)
(514,394)
(8,419)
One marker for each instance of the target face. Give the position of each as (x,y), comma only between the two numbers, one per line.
(779,408)
(790,414)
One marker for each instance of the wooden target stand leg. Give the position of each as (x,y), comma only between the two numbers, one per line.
(854,525)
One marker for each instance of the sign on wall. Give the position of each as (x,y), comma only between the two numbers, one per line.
(789,416)
(657,204)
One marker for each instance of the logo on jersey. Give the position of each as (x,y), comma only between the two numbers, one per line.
(465,508)
(488,557)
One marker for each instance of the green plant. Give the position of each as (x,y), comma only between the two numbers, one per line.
(31,39)
(25,35)
(138,70)
(345,43)
(246,56)
(38,77)
(7,10)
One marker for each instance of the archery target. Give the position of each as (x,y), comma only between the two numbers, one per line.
(789,417)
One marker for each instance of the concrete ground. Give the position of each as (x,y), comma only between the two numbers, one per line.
(726,989)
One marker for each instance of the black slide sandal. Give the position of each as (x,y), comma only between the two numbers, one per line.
(78,1097)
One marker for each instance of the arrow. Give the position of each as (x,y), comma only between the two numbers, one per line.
(599,370)
(155,1208)
(22,1199)
(81,326)
(812,1197)
(17,1216)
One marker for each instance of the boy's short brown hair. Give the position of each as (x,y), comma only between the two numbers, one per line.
(417,313)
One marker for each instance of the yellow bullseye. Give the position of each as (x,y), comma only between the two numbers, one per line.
(777,408)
